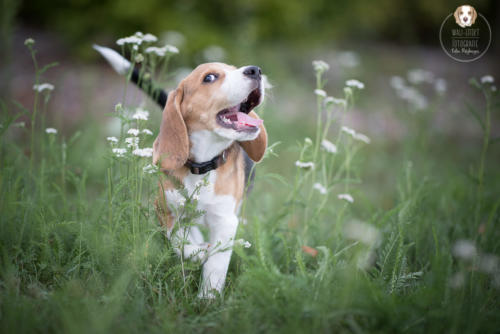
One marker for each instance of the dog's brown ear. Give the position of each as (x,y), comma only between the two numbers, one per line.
(474,15)
(457,14)
(257,147)
(171,147)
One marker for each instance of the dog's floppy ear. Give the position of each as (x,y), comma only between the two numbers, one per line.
(171,147)
(257,147)
(474,15)
(457,15)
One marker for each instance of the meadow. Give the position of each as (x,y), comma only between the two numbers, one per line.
(344,231)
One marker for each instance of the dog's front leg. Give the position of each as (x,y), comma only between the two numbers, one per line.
(222,231)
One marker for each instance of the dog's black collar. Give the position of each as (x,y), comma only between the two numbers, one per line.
(207,166)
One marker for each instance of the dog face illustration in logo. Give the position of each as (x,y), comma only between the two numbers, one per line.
(465,16)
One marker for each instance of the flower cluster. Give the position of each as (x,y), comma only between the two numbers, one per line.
(355,135)
(304,165)
(467,252)
(353,83)
(488,79)
(138,38)
(51,131)
(320,66)
(163,51)
(132,142)
(328,146)
(43,87)
(416,77)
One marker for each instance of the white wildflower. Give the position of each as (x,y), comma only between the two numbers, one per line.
(29,42)
(319,187)
(320,92)
(487,79)
(133,132)
(147,132)
(150,169)
(143,152)
(51,131)
(199,184)
(363,232)
(196,197)
(305,165)
(149,38)
(42,87)
(129,40)
(328,146)
(346,197)
(308,141)
(361,137)
(440,86)
(418,76)
(464,249)
(355,84)
(348,130)
(141,114)
(335,101)
(413,96)
(135,47)
(139,58)
(112,139)
(119,152)
(320,66)
(161,52)
(397,82)
(132,141)
(243,243)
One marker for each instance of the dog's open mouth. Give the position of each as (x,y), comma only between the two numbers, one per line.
(237,117)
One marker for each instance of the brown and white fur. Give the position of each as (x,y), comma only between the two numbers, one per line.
(191,129)
(465,16)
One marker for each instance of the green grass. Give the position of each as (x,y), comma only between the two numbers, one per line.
(81,249)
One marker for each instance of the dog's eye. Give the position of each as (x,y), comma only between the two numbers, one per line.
(210,77)
(461,13)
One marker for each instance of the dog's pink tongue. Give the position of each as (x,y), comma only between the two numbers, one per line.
(242,120)
(245,120)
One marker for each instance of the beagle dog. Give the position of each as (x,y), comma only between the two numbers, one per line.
(208,141)
(210,132)
(465,16)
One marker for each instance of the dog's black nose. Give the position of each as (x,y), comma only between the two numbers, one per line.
(252,72)
(466,18)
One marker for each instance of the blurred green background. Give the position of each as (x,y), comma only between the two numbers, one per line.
(242,24)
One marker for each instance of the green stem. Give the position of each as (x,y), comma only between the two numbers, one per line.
(35,105)
(480,173)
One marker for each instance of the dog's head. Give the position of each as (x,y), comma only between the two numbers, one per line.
(214,97)
(465,16)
